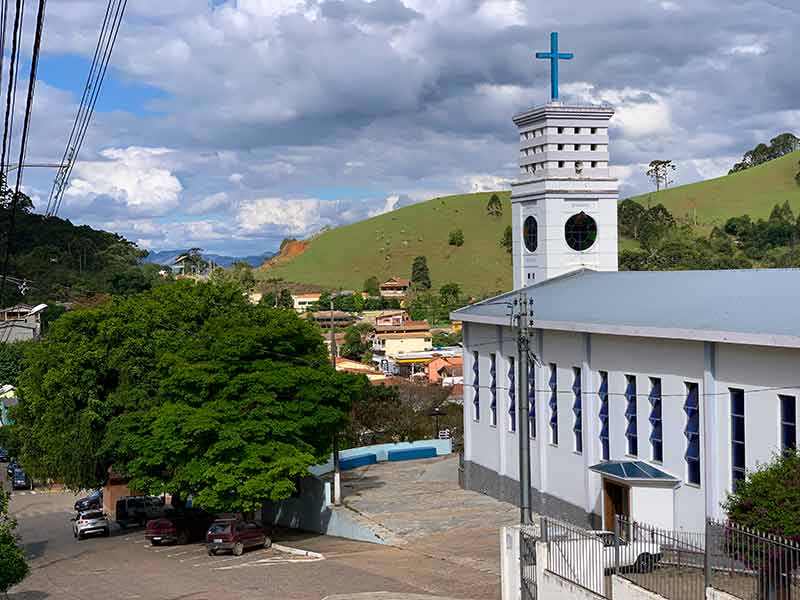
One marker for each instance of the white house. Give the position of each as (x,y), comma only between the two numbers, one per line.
(651,393)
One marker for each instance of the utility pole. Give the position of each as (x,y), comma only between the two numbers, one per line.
(337,475)
(523,307)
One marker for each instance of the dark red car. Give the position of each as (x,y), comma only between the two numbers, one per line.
(178,527)
(236,535)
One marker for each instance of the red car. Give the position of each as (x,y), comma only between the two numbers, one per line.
(236,535)
(178,528)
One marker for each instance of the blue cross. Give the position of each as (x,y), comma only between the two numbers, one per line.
(554,57)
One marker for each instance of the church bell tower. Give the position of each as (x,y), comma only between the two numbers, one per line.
(564,204)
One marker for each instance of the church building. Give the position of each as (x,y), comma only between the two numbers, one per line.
(650,394)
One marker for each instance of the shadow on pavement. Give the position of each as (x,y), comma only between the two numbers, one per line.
(28,595)
(35,550)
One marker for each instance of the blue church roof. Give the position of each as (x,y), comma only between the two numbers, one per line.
(753,306)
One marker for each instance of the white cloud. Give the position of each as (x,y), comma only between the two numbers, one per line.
(236,178)
(485,183)
(297,216)
(214,202)
(134,177)
(747,50)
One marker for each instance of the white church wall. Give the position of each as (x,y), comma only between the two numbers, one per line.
(486,445)
(654,506)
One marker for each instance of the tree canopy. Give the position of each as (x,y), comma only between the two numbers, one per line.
(13,567)
(420,275)
(778,146)
(186,389)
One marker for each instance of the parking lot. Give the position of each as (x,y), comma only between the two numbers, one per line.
(124,566)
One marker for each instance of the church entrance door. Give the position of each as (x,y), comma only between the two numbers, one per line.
(616,501)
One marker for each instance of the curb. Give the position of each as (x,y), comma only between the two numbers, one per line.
(297,551)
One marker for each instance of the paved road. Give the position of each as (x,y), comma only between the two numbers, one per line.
(124,567)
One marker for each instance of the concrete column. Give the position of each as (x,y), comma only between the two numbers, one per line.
(710,405)
(591,409)
(468,392)
(510,573)
(502,412)
(542,418)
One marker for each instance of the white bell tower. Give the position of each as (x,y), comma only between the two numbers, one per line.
(564,205)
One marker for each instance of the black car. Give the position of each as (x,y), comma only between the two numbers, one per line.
(12,466)
(93,501)
(21,481)
(4,457)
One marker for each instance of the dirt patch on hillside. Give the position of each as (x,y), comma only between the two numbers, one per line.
(288,252)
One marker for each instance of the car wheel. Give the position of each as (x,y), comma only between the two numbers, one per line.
(645,563)
(155,542)
(80,537)
(212,552)
(267,542)
(183,538)
(106,532)
(238,549)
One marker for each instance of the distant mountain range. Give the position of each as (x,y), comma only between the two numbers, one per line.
(166,257)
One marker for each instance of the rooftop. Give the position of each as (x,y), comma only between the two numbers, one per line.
(633,471)
(753,306)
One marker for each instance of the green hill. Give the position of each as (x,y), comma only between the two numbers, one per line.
(385,246)
(754,192)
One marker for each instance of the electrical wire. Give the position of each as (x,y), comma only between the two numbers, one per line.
(83,120)
(12,88)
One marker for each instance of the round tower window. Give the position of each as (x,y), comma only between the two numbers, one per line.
(580,231)
(530,234)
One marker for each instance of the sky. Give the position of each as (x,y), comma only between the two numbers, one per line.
(230,125)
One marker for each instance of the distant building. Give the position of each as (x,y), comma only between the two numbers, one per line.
(352,366)
(21,322)
(395,288)
(302,302)
(384,317)
(413,364)
(409,336)
(254,297)
(339,318)
(446,370)
(8,398)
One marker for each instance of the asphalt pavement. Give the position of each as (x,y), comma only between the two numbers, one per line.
(123,566)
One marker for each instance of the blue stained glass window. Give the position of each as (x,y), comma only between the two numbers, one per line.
(512,391)
(692,432)
(553,384)
(476,386)
(493,388)
(737,437)
(603,393)
(577,410)
(788,422)
(656,435)
(532,399)
(631,431)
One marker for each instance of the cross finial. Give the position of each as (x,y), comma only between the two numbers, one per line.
(554,57)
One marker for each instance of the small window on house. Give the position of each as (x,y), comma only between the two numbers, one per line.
(476,387)
(656,432)
(737,437)
(576,147)
(692,432)
(631,431)
(594,164)
(594,130)
(603,394)
(512,392)
(553,384)
(788,423)
(560,130)
(561,146)
(577,409)
(577,130)
(594,147)
(493,389)
(561,164)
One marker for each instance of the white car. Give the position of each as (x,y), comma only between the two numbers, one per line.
(90,522)
(641,555)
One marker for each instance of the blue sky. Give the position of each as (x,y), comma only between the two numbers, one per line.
(231,125)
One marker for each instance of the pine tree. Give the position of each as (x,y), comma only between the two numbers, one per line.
(420,275)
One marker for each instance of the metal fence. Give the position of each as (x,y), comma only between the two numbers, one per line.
(578,556)
(752,565)
(669,563)
(527,561)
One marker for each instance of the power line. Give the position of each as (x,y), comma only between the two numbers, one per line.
(23,143)
(97,73)
(12,87)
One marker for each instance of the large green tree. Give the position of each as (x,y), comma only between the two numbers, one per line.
(13,567)
(187,389)
(420,275)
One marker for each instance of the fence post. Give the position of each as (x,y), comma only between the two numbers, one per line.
(616,544)
(543,528)
(706,560)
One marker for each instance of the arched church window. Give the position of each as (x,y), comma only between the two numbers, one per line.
(530,234)
(580,231)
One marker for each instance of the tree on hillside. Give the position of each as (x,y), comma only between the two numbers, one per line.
(494,208)
(631,216)
(13,568)
(797,177)
(659,172)
(239,274)
(371,286)
(456,238)
(420,275)
(449,294)
(507,241)
(355,345)
(780,145)
(185,389)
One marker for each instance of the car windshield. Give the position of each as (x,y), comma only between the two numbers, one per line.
(19,473)
(219,528)
(94,514)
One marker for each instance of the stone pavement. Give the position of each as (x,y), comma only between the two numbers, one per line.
(421,502)
(384,596)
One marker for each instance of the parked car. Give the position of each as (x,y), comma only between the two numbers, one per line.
(90,522)
(21,481)
(93,501)
(4,457)
(138,510)
(13,465)
(236,536)
(641,556)
(178,527)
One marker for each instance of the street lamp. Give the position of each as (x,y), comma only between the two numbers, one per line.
(437,412)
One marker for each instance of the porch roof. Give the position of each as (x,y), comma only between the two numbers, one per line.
(633,472)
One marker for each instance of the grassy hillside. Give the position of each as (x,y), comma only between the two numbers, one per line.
(754,192)
(386,245)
